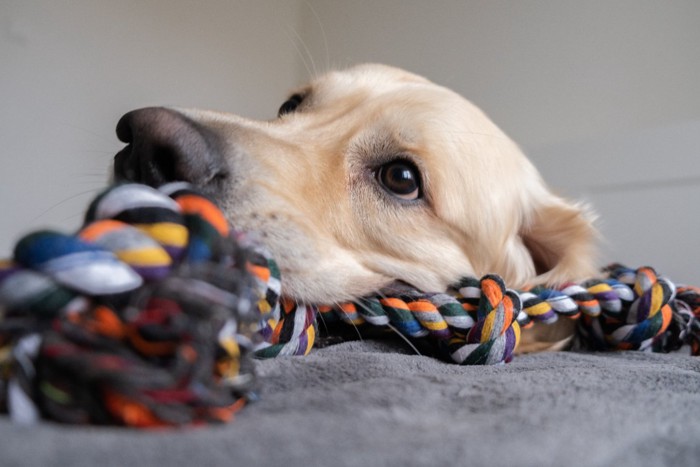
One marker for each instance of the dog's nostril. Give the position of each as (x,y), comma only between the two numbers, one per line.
(164,146)
(164,163)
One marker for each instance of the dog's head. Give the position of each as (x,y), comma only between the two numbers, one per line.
(369,177)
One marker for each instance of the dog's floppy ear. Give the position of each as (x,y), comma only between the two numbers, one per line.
(558,239)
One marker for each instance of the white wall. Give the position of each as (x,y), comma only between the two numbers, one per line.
(70,68)
(603,94)
(547,71)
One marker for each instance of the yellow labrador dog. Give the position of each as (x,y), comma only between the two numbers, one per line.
(369,178)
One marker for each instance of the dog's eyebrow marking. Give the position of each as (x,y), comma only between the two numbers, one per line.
(378,147)
(383,144)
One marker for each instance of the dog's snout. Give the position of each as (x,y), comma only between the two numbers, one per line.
(163,145)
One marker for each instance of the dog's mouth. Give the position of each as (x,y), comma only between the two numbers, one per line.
(396,287)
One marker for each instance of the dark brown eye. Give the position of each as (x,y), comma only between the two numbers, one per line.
(400,178)
(290,105)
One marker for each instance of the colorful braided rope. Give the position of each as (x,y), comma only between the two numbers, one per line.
(143,318)
(149,314)
(479,321)
(474,324)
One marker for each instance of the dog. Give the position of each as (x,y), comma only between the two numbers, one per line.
(372,178)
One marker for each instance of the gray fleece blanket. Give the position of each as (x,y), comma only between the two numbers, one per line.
(365,404)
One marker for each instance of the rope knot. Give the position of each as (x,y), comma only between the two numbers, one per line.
(641,312)
(496,332)
(143,318)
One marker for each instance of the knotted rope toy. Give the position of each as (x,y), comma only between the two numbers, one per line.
(148,316)
(143,318)
(473,324)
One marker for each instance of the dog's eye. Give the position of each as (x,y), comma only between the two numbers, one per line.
(400,178)
(290,104)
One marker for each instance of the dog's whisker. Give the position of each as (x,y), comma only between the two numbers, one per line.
(94,177)
(357,330)
(311,70)
(323,321)
(77,215)
(91,192)
(97,172)
(323,33)
(100,136)
(381,294)
(400,334)
(89,183)
(405,339)
(98,152)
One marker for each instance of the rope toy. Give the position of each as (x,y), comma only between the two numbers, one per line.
(143,318)
(625,309)
(474,324)
(149,314)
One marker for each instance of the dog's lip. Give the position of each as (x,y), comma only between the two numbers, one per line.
(397,286)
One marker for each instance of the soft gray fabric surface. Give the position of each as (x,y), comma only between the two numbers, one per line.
(360,404)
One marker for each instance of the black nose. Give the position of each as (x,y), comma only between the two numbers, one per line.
(164,146)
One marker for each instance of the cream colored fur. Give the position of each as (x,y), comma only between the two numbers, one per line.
(305,184)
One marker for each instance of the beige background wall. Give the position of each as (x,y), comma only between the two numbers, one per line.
(547,71)
(70,68)
(602,94)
